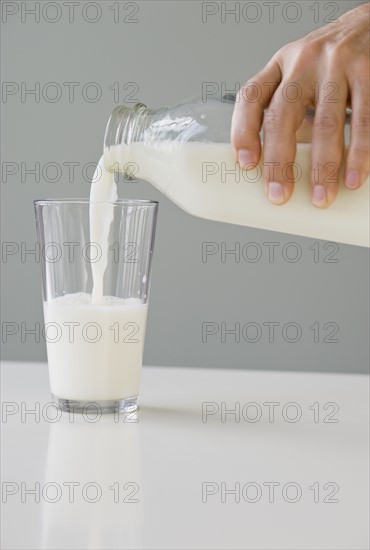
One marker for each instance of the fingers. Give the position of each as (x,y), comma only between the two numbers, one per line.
(358,159)
(336,73)
(328,139)
(281,121)
(247,118)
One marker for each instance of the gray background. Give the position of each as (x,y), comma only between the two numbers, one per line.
(169,53)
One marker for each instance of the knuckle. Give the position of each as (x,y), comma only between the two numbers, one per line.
(303,58)
(273,120)
(250,93)
(361,122)
(333,50)
(338,50)
(359,80)
(282,52)
(307,52)
(325,123)
(292,49)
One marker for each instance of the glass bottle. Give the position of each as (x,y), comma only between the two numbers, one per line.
(184,151)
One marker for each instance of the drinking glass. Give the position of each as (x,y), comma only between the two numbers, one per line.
(95,343)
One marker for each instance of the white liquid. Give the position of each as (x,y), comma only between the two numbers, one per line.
(100,357)
(103,190)
(194,176)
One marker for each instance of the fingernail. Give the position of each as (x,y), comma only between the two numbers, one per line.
(319,195)
(245,157)
(352,179)
(275,192)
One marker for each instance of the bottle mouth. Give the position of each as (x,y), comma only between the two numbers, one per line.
(123,127)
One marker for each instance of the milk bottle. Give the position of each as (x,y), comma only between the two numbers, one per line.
(185,152)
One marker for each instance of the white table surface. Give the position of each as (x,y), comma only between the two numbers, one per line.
(169,454)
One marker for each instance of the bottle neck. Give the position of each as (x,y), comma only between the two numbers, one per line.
(126,125)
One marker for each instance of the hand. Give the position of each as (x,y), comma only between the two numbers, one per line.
(329,70)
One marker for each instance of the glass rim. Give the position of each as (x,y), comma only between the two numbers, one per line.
(81,201)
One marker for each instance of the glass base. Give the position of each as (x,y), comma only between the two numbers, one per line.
(127,405)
